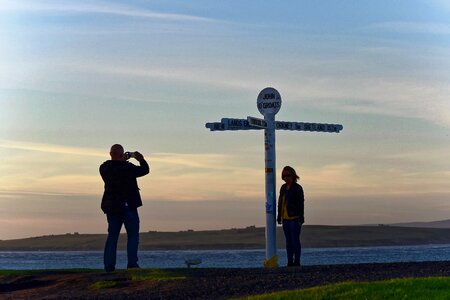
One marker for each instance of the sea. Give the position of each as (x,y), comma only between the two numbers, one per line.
(35,260)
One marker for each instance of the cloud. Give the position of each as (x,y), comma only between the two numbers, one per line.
(413,27)
(441,4)
(50,148)
(335,179)
(198,160)
(390,79)
(393,79)
(100,8)
(226,77)
(60,169)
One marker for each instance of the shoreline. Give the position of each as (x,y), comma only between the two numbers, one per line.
(205,283)
(217,248)
(313,236)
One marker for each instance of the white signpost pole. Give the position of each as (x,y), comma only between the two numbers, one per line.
(270,169)
(269,103)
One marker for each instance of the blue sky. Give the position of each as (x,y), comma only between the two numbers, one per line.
(78,76)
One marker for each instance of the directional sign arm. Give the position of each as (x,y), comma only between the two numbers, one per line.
(304,126)
(215,126)
(230,124)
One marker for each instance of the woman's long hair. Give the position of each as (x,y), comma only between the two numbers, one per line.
(290,169)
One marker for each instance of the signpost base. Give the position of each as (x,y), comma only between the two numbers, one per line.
(272,262)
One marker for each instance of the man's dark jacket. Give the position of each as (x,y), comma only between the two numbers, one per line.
(121,185)
(295,202)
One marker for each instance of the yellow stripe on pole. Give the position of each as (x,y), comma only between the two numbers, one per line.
(272,262)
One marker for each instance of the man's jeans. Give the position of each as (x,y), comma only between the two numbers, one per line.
(130,218)
(292,231)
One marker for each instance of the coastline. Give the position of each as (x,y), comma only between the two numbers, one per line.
(197,283)
(313,236)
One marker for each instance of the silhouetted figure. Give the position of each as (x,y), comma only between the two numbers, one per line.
(291,214)
(120,201)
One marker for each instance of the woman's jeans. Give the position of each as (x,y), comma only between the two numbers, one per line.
(130,219)
(292,231)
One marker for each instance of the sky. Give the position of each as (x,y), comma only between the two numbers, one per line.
(79,76)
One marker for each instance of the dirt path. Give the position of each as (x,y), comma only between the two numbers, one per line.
(204,283)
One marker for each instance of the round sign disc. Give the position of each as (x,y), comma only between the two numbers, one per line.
(269,101)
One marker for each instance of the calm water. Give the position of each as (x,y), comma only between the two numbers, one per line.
(223,258)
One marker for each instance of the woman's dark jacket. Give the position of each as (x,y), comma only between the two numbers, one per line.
(121,185)
(295,201)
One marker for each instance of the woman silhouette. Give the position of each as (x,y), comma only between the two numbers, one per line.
(291,214)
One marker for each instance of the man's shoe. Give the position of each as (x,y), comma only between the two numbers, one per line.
(136,266)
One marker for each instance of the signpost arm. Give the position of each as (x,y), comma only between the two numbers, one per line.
(270,166)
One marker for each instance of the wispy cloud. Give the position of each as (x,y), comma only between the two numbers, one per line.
(199,75)
(335,179)
(413,27)
(198,160)
(441,4)
(100,8)
(74,171)
(50,148)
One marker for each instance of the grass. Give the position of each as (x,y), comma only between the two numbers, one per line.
(153,274)
(124,276)
(103,284)
(411,288)
(138,275)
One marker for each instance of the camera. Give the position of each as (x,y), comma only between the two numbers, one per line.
(129,155)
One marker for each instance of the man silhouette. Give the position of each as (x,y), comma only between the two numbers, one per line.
(120,201)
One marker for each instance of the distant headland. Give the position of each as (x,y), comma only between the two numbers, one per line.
(313,236)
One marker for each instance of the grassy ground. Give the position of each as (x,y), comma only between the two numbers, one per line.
(131,275)
(413,288)
(139,275)
(89,281)
(419,280)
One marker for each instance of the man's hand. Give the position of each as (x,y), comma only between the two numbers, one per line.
(138,156)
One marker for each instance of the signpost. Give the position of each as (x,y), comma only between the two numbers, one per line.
(269,103)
